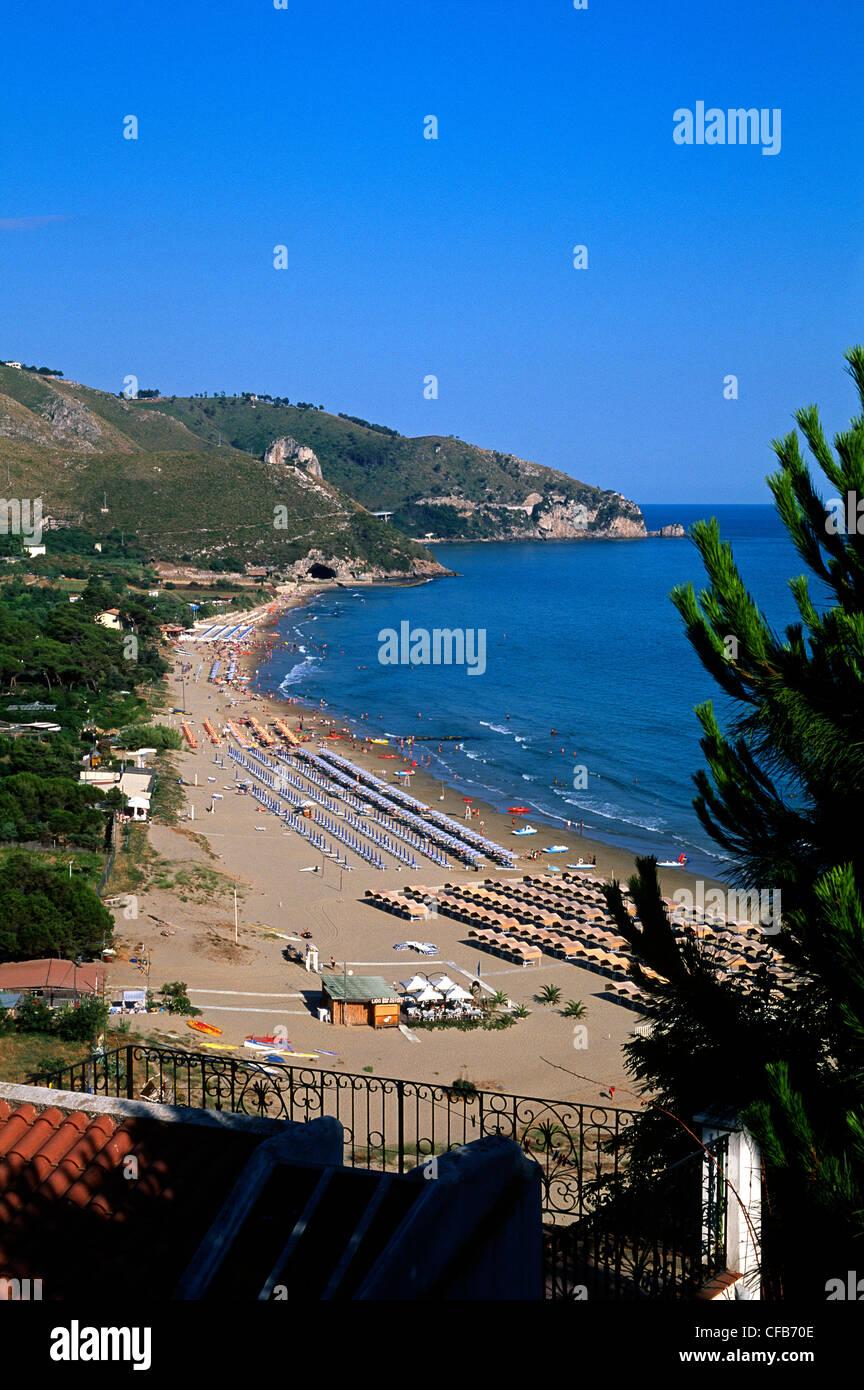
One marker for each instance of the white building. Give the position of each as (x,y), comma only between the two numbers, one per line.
(136,784)
(110,618)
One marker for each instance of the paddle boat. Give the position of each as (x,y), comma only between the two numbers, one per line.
(555,849)
(526,830)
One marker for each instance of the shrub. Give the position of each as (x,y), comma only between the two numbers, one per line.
(176,1000)
(550,994)
(34,1016)
(574,1008)
(463,1087)
(82,1021)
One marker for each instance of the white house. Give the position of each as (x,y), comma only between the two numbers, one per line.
(136,784)
(110,618)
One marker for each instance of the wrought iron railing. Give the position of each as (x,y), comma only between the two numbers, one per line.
(662,1238)
(388,1123)
(604,1237)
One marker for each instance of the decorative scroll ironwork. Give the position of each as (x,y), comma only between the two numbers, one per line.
(388,1123)
(604,1238)
(662,1239)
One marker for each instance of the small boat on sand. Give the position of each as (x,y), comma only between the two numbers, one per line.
(203,1027)
(555,849)
(526,830)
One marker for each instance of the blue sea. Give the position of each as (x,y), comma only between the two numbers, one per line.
(580,638)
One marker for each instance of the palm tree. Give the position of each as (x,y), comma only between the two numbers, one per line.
(521,1011)
(574,1008)
(550,994)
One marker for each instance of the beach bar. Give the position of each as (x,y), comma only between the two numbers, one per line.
(360,999)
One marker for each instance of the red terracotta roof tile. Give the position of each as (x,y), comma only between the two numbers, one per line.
(72,1211)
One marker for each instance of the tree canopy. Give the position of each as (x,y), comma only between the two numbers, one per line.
(783,793)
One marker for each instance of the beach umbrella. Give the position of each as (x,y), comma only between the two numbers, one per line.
(414,985)
(428,995)
(457,995)
(443,982)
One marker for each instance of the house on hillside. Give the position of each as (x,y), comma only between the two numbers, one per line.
(110,618)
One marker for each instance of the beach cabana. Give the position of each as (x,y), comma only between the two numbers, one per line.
(356,999)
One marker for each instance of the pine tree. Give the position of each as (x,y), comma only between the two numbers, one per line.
(783,794)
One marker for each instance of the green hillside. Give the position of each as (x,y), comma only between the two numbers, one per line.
(386,471)
(101,463)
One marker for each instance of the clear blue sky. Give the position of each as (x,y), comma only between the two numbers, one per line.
(407,256)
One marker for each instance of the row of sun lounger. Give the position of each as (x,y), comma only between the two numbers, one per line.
(502,916)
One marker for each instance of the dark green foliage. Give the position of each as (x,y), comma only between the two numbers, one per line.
(462,1087)
(78,1023)
(783,793)
(159,736)
(176,1000)
(550,994)
(34,1016)
(32,807)
(491,1023)
(574,1008)
(44,912)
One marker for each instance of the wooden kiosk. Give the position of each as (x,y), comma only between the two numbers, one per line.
(354,999)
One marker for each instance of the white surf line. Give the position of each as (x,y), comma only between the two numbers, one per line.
(247,993)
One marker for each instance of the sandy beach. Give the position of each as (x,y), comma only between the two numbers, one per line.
(185,925)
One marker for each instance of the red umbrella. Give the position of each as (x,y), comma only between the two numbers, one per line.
(467,798)
(519,810)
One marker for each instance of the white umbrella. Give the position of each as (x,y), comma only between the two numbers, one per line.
(442,982)
(427,996)
(457,994)
(414,984)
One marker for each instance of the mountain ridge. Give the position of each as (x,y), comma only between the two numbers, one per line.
(223,482)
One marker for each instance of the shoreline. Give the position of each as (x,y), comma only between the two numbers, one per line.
(612,861)
(244,974)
